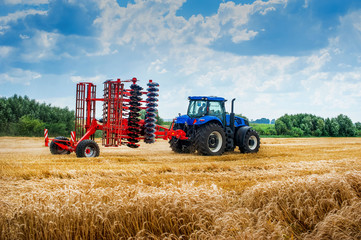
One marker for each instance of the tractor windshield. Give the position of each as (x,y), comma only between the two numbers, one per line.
(197,108)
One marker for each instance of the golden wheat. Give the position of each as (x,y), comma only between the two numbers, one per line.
(292,189)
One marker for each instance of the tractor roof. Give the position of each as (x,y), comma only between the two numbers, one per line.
(207,98)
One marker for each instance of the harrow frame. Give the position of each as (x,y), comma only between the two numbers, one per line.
(120,124)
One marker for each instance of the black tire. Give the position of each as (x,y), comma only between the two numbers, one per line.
(250,143)
(55,149)
(87,148)
(181,146)
(230,145)
(210,140)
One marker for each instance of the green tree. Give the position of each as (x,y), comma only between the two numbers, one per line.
(297,132)
(346,127)
(334,128)
(28,126)
(281,127)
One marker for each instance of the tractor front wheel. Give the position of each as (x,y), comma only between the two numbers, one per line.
(87,148)
(181,146)
(211,140)
(55,149)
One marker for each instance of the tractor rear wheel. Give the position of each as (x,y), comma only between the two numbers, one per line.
(211,140)
(250,143)
(87,148)
(55,149)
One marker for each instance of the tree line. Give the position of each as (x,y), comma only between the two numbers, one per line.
(21,116)
(300,125)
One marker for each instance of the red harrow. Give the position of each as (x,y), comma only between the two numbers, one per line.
(121,123)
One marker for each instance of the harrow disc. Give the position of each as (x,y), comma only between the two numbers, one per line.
(152,105)
(152,99)
(134,115)
(150,125)
(133,140)
(133,124)
(151,110)
(152,89)
(136,93)
(150,131)
(152,94)
(150,115)
(134,109)
(153,84)
(135,99)
(135,104)
(132,145)
(136,87)
(133,135)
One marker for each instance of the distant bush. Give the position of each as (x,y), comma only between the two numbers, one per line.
(21,116)
(310,125)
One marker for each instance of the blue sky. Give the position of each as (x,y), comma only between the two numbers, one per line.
(274,57)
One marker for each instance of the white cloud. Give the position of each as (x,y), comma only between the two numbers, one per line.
(94,79)
(19,76)
(154,23)
(24,36)
(30,2)
(157,66)
(264,12)
(4,51)
(243,35)
(13,17)
(41,46)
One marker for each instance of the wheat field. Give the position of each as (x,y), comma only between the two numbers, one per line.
(307,188)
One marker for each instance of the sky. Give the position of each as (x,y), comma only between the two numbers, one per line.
(274,57)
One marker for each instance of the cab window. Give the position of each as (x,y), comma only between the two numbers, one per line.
(216,109)
(197,108)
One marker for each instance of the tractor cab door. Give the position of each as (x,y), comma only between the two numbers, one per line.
(216,108)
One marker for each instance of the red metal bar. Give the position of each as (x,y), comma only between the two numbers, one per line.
(46,137)
(89,105)
(91,130)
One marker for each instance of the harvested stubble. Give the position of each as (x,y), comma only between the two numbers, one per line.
(283,192)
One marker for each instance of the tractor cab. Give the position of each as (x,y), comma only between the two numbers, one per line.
(207,106)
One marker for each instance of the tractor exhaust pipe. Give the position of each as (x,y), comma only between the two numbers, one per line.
(232,116)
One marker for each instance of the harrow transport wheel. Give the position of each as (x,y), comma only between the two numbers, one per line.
(55,149)
(251,142)
(87,148)
(211,140)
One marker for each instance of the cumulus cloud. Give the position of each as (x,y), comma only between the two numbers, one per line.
(156,23)
(19,76)
(40,47)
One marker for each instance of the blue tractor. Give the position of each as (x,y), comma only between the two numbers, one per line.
(211,131)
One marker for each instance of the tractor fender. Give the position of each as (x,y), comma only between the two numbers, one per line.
(207,119)
(240,134)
